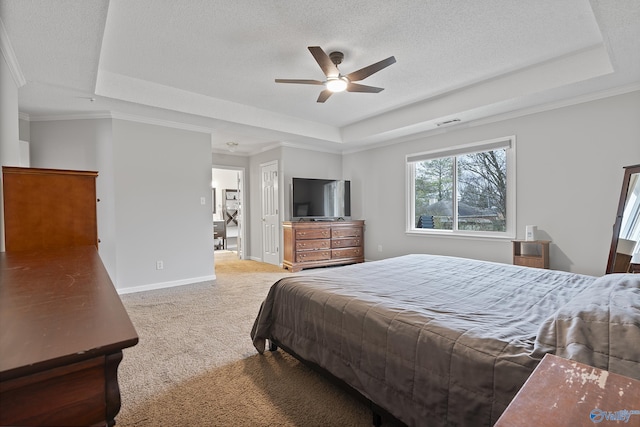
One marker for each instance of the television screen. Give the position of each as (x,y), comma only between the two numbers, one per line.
(321,198)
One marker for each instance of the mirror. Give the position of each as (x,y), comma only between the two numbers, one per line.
(626,229)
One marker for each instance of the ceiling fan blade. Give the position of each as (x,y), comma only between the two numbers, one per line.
(355,87)
(328,67)
(324,95)
(300,81)
(365,72)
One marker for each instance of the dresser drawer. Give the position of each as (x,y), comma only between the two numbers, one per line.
(313,256)
(525,261)
(308,245)
(321,233)
(346,253)
(346,243)
(346,232)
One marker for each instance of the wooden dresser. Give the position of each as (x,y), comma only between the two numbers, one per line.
(61,340)
(49,208)
(62,324)
(310,244)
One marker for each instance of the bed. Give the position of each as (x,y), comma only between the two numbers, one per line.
(446,341)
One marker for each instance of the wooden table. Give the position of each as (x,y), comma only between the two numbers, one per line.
(562,393)
(62,331)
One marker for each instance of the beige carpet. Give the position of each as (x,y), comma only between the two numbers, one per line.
(195,364)
(227,262)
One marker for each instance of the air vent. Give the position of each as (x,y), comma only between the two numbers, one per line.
(448,122)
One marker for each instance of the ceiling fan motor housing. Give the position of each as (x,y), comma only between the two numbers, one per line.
(336,57)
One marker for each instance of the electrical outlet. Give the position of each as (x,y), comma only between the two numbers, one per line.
(159,265)
(379,248)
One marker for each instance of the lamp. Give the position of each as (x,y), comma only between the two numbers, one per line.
(337,84)
(231,146)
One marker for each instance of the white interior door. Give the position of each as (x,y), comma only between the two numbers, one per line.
(240,214)
(270,215)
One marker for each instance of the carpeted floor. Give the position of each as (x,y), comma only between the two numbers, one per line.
(227,262)
(195,364)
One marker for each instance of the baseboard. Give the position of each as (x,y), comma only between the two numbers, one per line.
(163,285)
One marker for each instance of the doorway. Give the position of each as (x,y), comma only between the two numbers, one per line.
(227,187)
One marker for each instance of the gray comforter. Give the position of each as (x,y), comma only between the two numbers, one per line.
(438,340)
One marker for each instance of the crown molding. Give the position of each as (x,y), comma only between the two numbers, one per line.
(119,116)
(308,148)
(229,153)
(81,116)
(160,122)
(10,57)
(273,147)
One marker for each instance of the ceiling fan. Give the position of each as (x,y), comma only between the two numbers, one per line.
(337,82)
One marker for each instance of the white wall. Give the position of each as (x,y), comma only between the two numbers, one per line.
(24,127)
(105,192)
(150,181)
(9,131)
(65,144)
(160,175)
(9,146)
(569,174)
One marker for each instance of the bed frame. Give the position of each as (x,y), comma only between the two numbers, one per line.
(378,414)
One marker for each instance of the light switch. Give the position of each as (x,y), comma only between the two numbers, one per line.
(203,200)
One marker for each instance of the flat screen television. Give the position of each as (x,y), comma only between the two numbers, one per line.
(320,199)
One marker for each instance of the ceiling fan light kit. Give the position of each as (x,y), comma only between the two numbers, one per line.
(337,82)
(337,85)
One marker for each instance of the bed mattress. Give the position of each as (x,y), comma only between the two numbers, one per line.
(434,340)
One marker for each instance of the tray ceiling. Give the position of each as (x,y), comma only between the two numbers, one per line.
(211,66)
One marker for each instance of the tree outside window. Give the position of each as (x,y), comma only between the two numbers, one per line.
(465,192)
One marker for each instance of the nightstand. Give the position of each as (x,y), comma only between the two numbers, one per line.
(562,392)
(531,253)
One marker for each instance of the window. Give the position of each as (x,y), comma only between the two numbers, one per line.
(630,226)
(466,190)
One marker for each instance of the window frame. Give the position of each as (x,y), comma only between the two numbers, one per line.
(508,143)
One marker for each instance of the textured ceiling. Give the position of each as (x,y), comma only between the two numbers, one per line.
(211,65)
